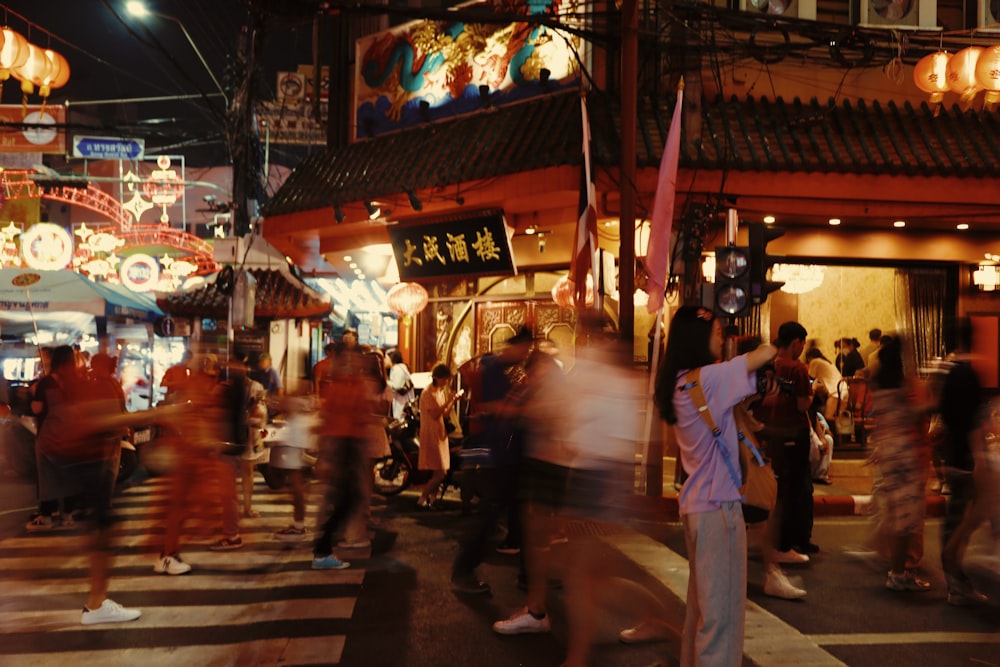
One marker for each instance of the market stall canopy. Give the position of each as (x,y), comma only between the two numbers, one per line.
(65,303)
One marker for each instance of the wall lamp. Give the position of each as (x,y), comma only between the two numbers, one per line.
(338,213)
(415,202)
(986,277)
(374,211)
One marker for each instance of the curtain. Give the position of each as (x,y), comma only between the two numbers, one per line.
(920,304)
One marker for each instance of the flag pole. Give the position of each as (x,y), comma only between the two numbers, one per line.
(658,265)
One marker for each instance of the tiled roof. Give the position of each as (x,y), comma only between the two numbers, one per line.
(521,137)
(739,134)
(278,296)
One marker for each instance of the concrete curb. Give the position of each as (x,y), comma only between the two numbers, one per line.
(768,641)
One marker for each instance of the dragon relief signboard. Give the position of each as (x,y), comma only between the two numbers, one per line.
(429,70)
(465,247)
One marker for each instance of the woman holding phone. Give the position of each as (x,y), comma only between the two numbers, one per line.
(710,507)
(436,402)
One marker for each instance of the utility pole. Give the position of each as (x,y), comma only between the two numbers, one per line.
(626,226)
(242,135)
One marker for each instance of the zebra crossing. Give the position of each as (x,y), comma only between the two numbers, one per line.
(259,605)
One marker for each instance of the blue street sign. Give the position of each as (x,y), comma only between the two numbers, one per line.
(108,148)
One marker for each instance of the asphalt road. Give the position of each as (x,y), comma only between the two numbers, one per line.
(404,612)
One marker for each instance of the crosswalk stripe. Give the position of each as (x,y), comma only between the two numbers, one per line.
(294,651)
(187,582)
(265,591)
(187,616)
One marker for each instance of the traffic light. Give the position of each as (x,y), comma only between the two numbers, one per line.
(761,262)
(732,281)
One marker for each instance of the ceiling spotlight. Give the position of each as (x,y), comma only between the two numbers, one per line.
(460,200)
(373,210)
(338,213)
(415,202)
(347,258)
(899,224)
(834,221)
(769,219)
(529,231)
(962,226)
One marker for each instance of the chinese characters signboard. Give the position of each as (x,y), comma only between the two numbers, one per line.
(467,247)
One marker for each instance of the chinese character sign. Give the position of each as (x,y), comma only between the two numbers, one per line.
(471,246)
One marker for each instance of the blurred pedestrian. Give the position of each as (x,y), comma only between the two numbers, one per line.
(83,453)
(297,435)
(710,507)
(963,415)
(901,452)
(490,457)
(321,368)
(344,430)
(55,492)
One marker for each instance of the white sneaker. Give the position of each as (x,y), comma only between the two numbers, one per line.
(109,612)
(171,565)
(777,585)
(647,631)
(522,622)
(790,557)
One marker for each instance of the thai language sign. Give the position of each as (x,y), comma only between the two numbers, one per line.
(472,246)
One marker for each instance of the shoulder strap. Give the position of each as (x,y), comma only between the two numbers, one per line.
(693,387)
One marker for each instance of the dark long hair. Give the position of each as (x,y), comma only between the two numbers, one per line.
(687,348)
(889,374)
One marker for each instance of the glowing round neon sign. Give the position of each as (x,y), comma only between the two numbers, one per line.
(46,247)
(139,272)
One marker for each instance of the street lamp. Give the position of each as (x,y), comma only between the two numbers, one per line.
(139,10)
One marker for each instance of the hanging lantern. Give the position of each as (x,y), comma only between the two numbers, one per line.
(988,74)
(34,70)
(930,75)
(58,73)
(406,299)
(961,75)
(563,290)
(13,53)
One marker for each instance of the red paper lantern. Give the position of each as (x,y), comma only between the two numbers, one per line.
(930,75)
(988,73)
(406,299)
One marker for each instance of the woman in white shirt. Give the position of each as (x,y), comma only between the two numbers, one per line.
(400,383)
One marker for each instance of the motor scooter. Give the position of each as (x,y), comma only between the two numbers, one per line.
(396,471)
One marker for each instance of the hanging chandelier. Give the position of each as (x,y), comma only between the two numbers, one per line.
(798,278)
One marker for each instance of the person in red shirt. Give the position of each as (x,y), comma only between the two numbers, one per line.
(784,411)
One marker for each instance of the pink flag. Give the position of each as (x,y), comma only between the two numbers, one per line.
(585,242)
(662,219)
